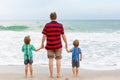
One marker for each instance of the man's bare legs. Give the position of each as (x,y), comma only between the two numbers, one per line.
(51,67)
(58,65)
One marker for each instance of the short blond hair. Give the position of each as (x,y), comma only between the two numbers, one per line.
(27,40)
(76,43)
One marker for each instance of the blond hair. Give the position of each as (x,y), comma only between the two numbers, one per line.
(27,40)
(76,43)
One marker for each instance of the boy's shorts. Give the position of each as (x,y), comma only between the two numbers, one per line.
(75,63)
(27,61)
(55,53)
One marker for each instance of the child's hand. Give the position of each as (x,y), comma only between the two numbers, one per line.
(37,49)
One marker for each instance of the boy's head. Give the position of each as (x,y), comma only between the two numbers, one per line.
(53,16)
(27,40)
(76,43)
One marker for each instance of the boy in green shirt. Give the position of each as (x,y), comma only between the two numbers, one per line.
(27,48)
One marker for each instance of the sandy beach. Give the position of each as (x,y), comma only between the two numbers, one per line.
(42,73)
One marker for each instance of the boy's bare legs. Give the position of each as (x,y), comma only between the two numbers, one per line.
(26,70)
(58,65)
(76,72)
(51,67)
(31,71)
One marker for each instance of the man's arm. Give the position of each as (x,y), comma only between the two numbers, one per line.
(65,40)
(42,44)
(43,40)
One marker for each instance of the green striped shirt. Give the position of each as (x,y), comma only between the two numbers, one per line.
(27,49)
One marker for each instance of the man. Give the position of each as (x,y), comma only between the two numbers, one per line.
(52,33)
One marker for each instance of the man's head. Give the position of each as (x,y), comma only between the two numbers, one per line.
(27,40)
(53,16)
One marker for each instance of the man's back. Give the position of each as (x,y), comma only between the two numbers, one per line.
(53,31)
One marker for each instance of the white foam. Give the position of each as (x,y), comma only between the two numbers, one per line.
(100,50)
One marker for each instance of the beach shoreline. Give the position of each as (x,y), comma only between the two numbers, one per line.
(17,73)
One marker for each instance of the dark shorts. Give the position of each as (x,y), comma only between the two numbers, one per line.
(54,53)
(27,61)
(75,63)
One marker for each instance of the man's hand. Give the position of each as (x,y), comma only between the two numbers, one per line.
(67,50)
(80,59)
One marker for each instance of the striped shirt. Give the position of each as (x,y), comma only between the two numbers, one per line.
(53,31)
(27,49)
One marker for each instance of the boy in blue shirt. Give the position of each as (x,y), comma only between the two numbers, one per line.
(76,51)
(27,48)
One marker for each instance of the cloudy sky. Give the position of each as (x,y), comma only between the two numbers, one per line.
(66,9)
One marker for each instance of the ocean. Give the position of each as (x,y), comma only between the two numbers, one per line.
(99,42)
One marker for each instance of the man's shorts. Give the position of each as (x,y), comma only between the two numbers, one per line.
(27,61)
(55,53)
(75,63)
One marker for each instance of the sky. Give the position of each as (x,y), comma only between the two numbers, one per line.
(65,9)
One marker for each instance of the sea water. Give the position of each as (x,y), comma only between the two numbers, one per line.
(99,42)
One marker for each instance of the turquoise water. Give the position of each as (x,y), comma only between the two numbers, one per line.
(92,26)
(69,25)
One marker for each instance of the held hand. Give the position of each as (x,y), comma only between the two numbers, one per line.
(35,50)
(38,49)
(80,59)
(67,50)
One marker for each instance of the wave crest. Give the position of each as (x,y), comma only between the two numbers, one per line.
(14,28)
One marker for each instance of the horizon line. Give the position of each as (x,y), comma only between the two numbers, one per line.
(49,19)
